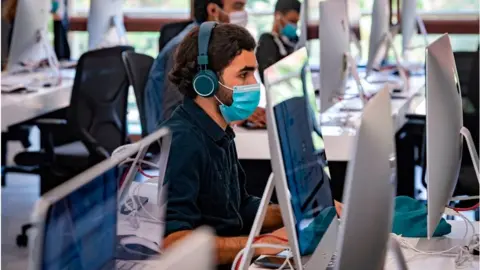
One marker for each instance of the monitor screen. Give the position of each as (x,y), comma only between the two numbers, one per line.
(80,229)
(296,64)
(293,101)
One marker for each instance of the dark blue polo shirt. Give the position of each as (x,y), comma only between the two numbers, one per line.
(206,184)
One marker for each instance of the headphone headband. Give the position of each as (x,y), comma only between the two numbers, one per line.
(205,83)
(204,34)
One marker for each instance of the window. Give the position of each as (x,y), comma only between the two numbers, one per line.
(448,6)
(150,8)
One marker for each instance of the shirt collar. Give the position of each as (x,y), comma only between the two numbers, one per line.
(202,120)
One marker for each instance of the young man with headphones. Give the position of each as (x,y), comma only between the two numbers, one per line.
(214,71)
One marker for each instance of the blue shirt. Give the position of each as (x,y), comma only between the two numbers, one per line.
(154,89)
(206,183)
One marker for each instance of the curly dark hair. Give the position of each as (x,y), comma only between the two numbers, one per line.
(226,42)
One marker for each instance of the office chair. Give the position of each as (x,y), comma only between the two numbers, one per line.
(169,31)
(97,116)
(137,66)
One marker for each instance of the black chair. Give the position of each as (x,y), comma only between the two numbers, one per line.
(97,116)
(137,66)
(169,31)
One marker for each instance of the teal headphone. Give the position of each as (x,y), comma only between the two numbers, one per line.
(205,82)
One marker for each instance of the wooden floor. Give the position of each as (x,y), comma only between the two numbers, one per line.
(18,198)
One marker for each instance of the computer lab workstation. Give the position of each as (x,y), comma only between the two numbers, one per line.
(348,140)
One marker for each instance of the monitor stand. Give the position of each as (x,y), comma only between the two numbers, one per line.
(119,37)
(471,148)
(44,45)
(388,40)
(324,251)
(423,32)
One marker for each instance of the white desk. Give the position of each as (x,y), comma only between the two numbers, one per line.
(253,144)
(18,107)
(423,262)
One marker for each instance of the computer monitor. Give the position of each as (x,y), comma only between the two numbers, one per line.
(196,251)
(369,191)
(30,43)
(75,223)
(334,47)
(444,129)
(78,225)
(409,21)
(105,24)
(296,64)
(300,179)
(380,27)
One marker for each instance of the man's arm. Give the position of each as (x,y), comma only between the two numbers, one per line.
(273,218)
(228,247)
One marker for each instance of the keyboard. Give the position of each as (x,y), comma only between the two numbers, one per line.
(128,265)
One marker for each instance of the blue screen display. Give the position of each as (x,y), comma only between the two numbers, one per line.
(309,184)
(80,229)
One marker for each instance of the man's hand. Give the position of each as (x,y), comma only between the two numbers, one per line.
(339,208)
(258,118)
(274,238)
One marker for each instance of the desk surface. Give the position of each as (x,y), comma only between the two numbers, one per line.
(20,107)
(423,262)
(338,137)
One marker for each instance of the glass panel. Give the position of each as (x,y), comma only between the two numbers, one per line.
(142,6)
(457,6)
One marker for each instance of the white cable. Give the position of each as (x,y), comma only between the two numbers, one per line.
(254,246)
(151,164)
(464,252)
(464,198)
(284,264)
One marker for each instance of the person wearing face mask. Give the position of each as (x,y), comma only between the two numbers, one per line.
(281,42)
(214,71)
(236,11)
(157,95)
(236,14)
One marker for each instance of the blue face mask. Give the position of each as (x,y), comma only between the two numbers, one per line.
(290,31)
(245,101)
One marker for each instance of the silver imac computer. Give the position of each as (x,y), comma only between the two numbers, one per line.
(105,24)
(299,171)
(30,43)
(409,22)
(369,191)
(334,49)
(444,129)
(380,27)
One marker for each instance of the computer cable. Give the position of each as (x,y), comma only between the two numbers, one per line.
(465,253)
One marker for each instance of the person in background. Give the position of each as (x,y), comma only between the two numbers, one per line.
(60,29)
(236,11)
(155,93)
(172,97)
(281,42)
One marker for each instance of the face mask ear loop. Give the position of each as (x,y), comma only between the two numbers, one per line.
(225,85)
(219,100)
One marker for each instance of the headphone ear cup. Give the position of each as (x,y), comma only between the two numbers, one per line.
(205,83)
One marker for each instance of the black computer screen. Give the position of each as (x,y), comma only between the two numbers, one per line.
(80,229)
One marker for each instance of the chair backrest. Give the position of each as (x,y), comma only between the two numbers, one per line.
(98,106)
(169,31)
(138,66)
